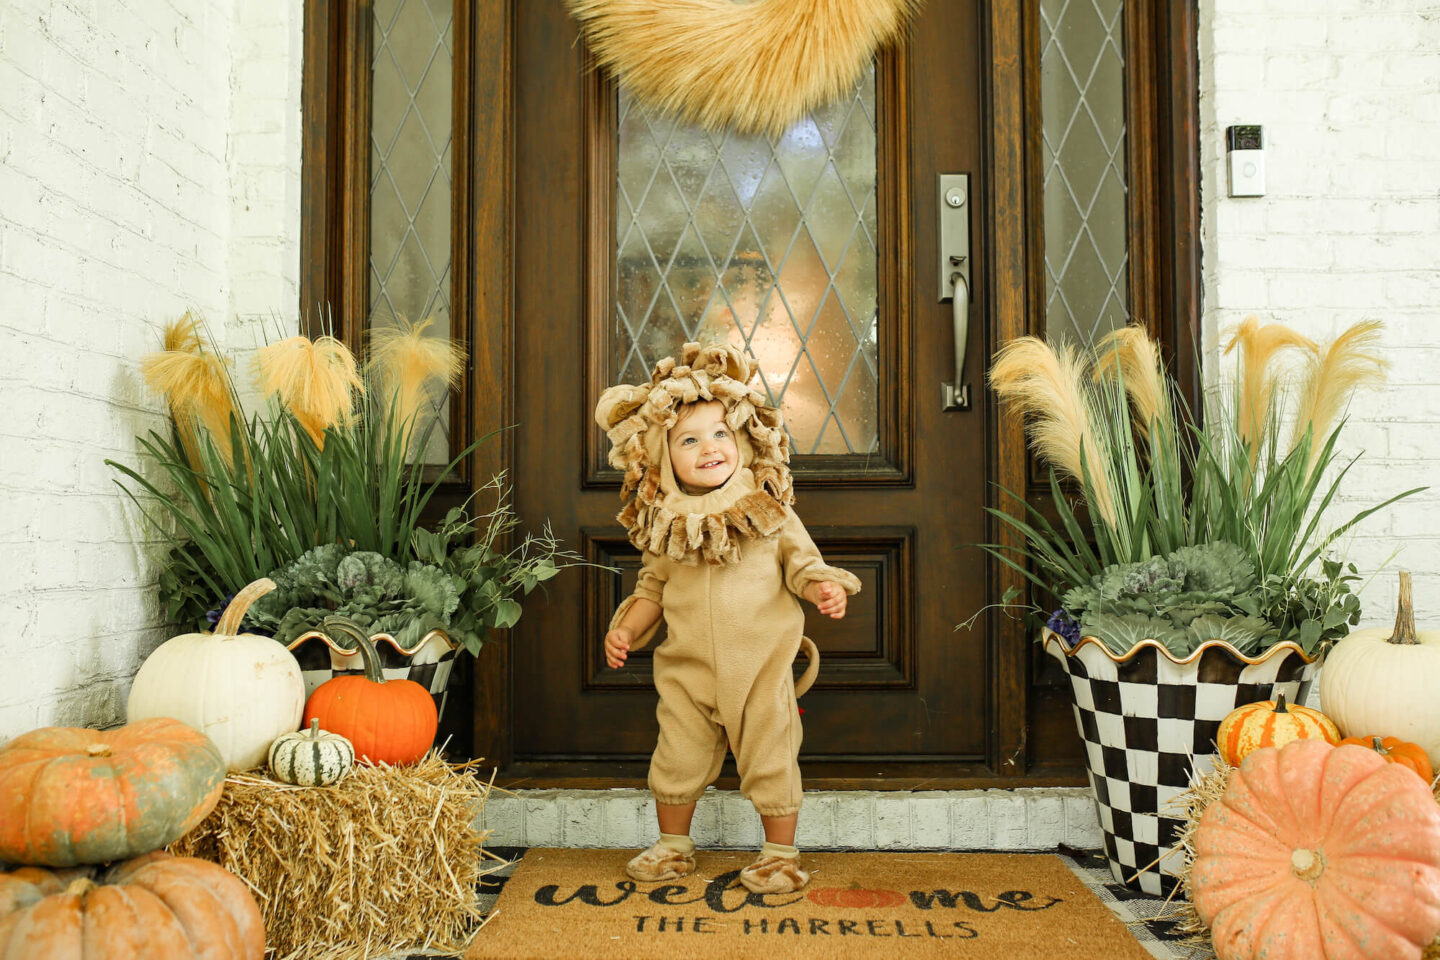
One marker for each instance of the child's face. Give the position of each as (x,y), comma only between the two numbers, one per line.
(702,448)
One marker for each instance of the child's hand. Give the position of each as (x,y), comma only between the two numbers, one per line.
(617,647)
(829,598)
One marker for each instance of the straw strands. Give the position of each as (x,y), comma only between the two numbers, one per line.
(385,860)
(756,67)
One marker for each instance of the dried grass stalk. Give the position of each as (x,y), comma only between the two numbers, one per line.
(1047,385)
(1353,361)
(1260,346)
(757,67)
(413,368)
(1130,355)
(316,380)
(385,860)
(196,387)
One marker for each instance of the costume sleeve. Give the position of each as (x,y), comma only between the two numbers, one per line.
(802,560)
(651,586)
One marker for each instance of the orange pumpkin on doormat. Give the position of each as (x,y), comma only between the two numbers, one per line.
(855,898)
(1403,752)
(1317,852)
(1270,723)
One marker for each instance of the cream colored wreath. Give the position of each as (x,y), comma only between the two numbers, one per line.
(753,66)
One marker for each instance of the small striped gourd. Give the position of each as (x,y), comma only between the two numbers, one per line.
(311,758)
(1270,723)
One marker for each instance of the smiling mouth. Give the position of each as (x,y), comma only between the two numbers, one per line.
(710,464)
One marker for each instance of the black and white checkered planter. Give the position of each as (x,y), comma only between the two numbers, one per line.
(1149,722)
(428,663)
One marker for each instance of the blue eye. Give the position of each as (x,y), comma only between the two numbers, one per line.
(687,440)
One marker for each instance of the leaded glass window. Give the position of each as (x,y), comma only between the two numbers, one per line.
(769,244)
(1082,85)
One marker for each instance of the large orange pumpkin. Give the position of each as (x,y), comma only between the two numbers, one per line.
(70,795)
(390,721)
(1270,723)
(1317,852)
(1403,752)
(153,906)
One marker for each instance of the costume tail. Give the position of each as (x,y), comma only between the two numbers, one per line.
(807,646)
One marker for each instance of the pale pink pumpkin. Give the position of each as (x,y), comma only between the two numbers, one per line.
(1317,852)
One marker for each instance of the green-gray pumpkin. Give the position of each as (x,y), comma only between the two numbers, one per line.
(311,758)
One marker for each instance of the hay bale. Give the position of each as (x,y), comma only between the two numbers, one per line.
(387,859)
(1204,791)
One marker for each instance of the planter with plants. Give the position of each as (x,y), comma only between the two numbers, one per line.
(1197,575)
(322,493)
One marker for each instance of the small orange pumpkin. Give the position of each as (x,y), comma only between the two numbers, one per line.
(1403,752)
(387,721)
(855,898)
(1270,723)
(1317,852)
(155,905)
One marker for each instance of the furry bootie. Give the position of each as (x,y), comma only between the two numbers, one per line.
(670,858)
(776,870)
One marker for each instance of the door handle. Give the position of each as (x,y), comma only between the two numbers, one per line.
(953,239)
(956,395)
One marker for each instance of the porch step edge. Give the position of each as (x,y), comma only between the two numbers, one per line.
(1028,818)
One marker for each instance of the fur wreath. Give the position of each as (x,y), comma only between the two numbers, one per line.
(636,418)
(756,66)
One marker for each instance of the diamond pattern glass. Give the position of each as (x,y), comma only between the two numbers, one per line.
(1082,93)
(769,244)
(410,179)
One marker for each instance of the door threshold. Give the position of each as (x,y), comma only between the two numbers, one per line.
(818,775)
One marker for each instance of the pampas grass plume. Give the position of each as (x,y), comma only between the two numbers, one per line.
(1130,354)
(413,367)
(1352,361)
(1259,346)
(1045,385)
(196,387)
(315,380)
(756,67)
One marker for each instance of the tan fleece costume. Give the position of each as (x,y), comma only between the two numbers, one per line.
(726,567)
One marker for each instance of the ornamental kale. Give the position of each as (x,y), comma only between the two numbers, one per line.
(463,582)
(1210,592)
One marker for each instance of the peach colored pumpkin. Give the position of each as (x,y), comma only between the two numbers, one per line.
(1317,852)
(153,906)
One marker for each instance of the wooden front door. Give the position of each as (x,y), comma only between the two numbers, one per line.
(890,485)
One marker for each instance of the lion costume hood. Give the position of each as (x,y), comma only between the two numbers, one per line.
(657,514)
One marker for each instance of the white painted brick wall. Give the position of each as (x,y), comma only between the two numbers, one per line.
(145,168)
(1348,92)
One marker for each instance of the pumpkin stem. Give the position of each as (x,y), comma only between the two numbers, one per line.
(314,732)
(1404,614)
(98,750)
(1308,865)
(344,625)
(1280,704)
(1380,747)
(80,886)
(229,625)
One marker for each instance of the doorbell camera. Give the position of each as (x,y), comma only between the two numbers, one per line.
(1245,156)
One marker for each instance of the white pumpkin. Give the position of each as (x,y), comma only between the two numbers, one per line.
(239,689)
(311,758)
(1386,682)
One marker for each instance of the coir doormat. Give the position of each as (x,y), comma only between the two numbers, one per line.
(579,903)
